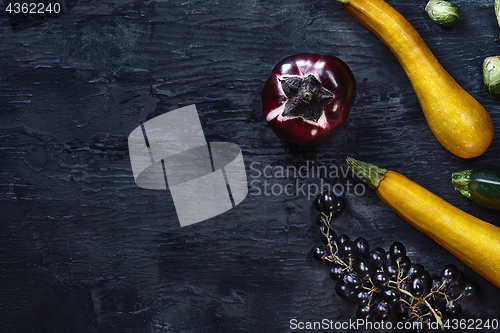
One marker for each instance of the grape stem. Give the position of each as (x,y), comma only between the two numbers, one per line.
(334,258)
(407,293)
(424,299)
(436,316)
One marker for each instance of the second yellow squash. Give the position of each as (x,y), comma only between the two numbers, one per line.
(474,241)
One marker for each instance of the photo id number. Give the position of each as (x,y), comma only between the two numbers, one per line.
(33,8)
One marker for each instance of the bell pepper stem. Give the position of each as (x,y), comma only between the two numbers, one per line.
(461,182)
(342,1)
(366,172)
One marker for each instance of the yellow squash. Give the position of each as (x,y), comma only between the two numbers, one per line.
(459,122)
(473,241)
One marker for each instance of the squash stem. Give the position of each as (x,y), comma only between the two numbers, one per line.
(461,182)
(342,1)
(366,172)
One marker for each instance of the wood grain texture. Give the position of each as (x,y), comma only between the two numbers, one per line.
(83,249)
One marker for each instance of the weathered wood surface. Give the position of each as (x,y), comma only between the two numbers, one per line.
(83,249)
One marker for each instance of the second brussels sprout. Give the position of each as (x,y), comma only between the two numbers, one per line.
(491,75)
(443,12)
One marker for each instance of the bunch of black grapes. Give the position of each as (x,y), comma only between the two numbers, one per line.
(382,282)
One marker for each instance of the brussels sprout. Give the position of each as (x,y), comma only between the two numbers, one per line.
(491,75)
(443,12)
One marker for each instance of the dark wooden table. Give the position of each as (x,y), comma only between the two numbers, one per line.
(84,249)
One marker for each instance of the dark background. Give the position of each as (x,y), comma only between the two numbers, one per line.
(83,249)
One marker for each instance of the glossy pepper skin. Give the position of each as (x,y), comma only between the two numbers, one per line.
(307,97)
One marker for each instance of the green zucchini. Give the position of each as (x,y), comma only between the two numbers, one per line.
(480,184)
